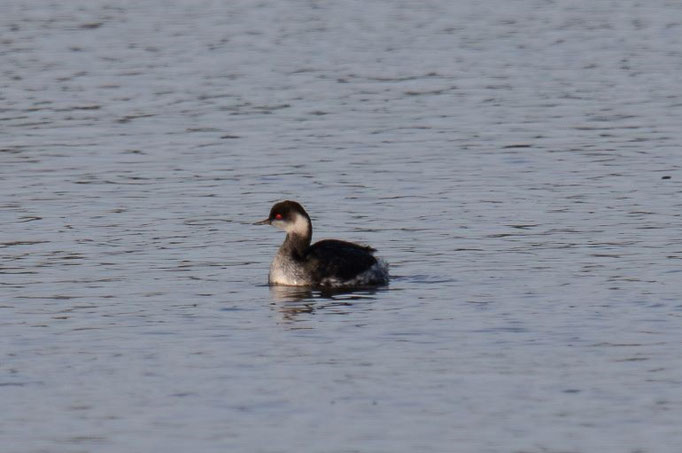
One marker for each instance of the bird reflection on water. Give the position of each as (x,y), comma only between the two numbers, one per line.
(293,301)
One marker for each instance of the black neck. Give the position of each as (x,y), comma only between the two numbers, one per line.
(296,244)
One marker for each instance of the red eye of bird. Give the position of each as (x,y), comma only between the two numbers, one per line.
(278,216)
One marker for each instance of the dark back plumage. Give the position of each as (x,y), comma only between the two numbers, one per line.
(342,259)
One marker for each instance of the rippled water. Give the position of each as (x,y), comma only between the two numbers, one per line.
(517,163)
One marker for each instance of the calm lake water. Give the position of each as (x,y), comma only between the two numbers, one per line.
(517,164)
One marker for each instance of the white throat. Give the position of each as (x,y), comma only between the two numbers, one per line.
(299,226)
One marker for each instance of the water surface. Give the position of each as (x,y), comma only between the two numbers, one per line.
(517,164)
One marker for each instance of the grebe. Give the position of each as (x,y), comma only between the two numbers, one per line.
(328,263)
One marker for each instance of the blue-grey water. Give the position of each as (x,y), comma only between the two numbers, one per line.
(516,162)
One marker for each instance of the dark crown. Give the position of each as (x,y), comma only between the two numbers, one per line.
(287,210)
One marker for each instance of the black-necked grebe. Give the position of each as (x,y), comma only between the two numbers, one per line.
(330,263)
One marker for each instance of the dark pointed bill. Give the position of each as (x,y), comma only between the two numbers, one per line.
(263,222)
